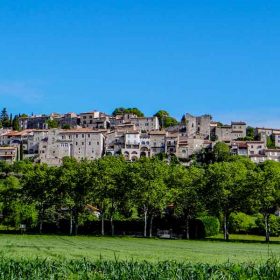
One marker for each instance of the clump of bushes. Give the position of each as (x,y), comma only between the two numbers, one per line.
(242,223)
(274,225)
(211,225)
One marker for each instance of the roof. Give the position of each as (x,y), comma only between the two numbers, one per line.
(81,130)
(8,148)
(132,132)
(240,144)
(225,126)
(19,133)
(266,128)
(157,132)
(238,123)
(255,142)
(257,155)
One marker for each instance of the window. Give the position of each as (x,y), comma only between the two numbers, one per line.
(88,135)
(89,143)
(76,143)
(83,143)
(97,143)
(83,135)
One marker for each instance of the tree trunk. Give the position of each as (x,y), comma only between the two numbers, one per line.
(41,226)
(112,226)
(151,226)
(76,222)
(41,215)
(226,235)
(102,225)
(188,228)
(145,222)
(71,224)
(266,222)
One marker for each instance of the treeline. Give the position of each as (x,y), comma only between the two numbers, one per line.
(111,189)
(8,120)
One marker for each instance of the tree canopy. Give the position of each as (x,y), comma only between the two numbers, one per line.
(165,120)
(122,111)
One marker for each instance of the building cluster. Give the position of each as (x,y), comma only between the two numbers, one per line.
(91,135)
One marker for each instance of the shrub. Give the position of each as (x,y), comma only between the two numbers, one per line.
(241,223)
(211,225)
(274,225)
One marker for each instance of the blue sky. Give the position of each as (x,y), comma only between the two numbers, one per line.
(218,57)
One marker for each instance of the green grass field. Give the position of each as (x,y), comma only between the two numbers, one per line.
(125,248)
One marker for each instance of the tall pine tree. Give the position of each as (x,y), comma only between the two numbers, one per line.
(5,118)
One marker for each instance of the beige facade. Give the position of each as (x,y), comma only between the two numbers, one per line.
(8,154)
(95,120)
(78,143)
(197,126)
(272,154)
(157,142)
(231,132)
(255,148)
(277,139)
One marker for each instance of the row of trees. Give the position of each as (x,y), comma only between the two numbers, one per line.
(8,120)
(145,189)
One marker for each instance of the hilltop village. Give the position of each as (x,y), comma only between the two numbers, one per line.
(91,135)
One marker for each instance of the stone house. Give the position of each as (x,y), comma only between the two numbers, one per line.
(131,150)
(94,120)
(197,127)
(157,142)
(78,143)
(8,154)
(34,122)
(272,154)
(277,139)
(255,147)
(228,133)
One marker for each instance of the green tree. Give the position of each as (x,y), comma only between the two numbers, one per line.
(109,187)
(266,185)
(250,132)
(165,119)
(224,193)
(188,185)
(52,124)
(15,123)
(122,111)
(74,187)
(149,192)
(39,187)
(221,152)
(270,142)
(5,118)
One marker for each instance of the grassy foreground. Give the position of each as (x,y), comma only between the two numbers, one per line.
(117,270)
(55,247)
